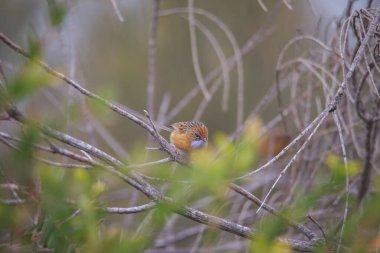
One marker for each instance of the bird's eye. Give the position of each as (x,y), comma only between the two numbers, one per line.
(199,137)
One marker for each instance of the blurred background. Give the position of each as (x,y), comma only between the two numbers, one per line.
(235,48)
(107,52)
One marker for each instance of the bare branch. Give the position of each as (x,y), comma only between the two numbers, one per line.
(162,161)
(262,5)
(152,48)
(129,210)
(136,180)
(12,202)
(165,145)
(194,51)
(117,10)
(309,234)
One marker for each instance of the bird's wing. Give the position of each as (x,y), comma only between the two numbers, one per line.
(180,126)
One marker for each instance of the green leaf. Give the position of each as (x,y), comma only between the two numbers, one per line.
(29,80)
(34,45)
(338,170)
(63,193)
(57,12)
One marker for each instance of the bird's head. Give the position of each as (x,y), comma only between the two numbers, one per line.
(199,137)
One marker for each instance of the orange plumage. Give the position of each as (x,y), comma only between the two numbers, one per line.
(273,142)
(189,135)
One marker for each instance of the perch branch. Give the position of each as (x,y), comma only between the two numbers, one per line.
(136,180)
(164,144)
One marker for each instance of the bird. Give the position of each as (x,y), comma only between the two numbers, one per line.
(189,135)
(273,142)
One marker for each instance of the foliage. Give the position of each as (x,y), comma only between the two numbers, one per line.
(299,173)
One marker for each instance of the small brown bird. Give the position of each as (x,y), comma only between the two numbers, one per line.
(273,142)
(189,135)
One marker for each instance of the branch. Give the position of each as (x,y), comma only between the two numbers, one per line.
(309,234)
(166,146)
(134,179)
(129,210)
(152,48)
(356,61)
(12,202)
(194,51)
(366,174)
(164,160)
(334,103)
(250,44)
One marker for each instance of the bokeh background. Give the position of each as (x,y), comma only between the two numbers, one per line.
(103,45)
(109,56)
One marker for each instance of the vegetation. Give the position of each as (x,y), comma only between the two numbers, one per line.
(297,173)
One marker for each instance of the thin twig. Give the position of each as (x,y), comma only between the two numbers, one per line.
(291,144)
(129,210)
(236,58)
(165,145)
(194,51)
(142,165)
(12,202)
(262,5)
(137,182)
(307,232)
(152,57)
(117,10)
(318,225)
(366,174)
(356,61)
(319,123)
(287,4)
(223,63)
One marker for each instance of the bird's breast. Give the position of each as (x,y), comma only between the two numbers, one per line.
(180,140)
(196,144)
